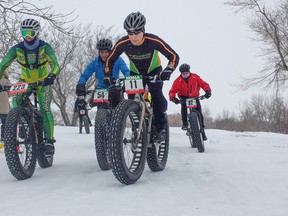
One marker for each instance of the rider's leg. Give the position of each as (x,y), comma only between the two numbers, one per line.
(199,108)
(116,96)
(159,105)
(45,98)
(80,123)
(184,116)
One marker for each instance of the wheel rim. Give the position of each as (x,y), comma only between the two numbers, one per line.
(24,145)
(131,149)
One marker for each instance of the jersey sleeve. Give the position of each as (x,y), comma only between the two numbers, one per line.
(117,50)
(52,60)
(166,50)
(7,60)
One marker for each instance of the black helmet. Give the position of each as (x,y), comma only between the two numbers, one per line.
(135,22)
(184,68)
(30,24)
(104,44)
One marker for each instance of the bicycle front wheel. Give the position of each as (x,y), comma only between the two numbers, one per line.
(196,131)
(127,152)
(102,121)
(20,149)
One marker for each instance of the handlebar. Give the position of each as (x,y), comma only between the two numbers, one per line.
(32,85)
(183,100)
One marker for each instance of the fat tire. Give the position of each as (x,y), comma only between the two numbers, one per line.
(127,110)
(102,123)
(196,131)
(157,156)
(16,116)
(86,124)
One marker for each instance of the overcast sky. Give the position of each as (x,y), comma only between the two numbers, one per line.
(206,34)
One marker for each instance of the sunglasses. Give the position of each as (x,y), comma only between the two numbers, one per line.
(28,32)
(133,32)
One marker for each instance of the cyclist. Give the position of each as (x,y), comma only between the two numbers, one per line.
(34,57)
(4,105)
(188,85)
(81,104)
(143,50)
(96,66)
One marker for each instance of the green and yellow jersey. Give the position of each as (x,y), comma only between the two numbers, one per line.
(33,63)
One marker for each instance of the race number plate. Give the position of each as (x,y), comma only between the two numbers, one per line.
(101,95)
(19,87)
(133,84)
(191,103)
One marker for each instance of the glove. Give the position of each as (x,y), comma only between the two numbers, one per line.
(1,87)
(108,80)
(80,89)
(49,80)
(175,100)
(166,73)
(207,94)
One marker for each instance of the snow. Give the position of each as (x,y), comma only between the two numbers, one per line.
(239,174)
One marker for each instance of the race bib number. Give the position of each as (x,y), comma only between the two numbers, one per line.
(191,103)
(133,84)
(101,95)
(20,87)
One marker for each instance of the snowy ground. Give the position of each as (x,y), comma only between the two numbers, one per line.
(240,174)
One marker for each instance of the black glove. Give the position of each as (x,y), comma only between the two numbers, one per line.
(175,100)
(166,73)
(80,89)
(108,80)
(1,87)
(207,94)
(49,80)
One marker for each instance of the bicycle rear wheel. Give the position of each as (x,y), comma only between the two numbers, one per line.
(127,154)
(102,122)
(20,148)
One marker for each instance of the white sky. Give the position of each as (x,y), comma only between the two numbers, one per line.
(239,174)
(206,34)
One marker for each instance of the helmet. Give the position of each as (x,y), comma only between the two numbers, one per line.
(30,24)
(104,44)
(184,68)
(135,22)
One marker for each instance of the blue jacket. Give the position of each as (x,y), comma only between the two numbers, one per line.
(97,66)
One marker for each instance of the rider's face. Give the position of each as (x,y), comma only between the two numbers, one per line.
(185,74)
(103,54)
(136,38)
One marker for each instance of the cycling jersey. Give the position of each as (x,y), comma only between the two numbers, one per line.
(97,67)
(145,57)
(188,89)
(32,70)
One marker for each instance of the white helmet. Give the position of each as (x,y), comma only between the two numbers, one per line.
(30,24)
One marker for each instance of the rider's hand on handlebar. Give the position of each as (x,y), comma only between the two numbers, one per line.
(49,80)
(166,73)
(1,87)
(175,100)
(207,94)
(108,80)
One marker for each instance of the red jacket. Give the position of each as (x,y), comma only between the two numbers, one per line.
(190,89)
